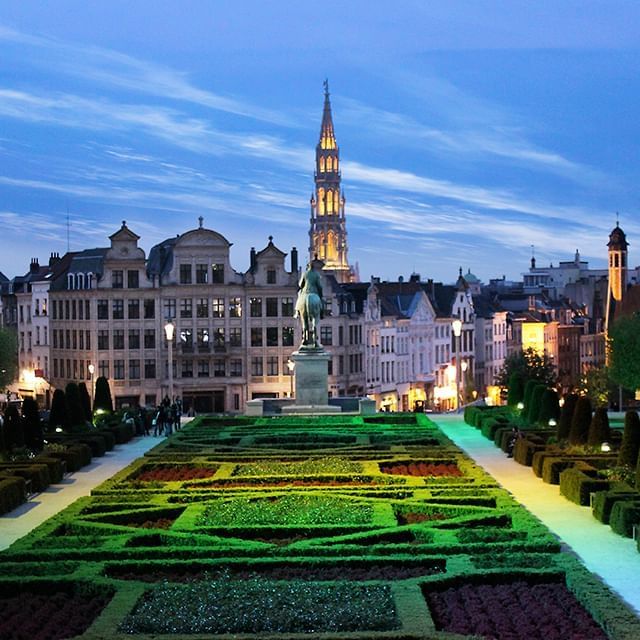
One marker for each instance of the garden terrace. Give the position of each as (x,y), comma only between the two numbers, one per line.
(309,527)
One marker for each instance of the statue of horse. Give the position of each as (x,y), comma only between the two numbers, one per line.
(309,307)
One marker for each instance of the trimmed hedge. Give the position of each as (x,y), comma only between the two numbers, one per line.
(625,514)
(578,482)
(603,501)
(13,492)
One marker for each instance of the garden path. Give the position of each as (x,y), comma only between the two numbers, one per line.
(614,558)
(42,506)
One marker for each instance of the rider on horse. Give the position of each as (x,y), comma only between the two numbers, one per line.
(309,307)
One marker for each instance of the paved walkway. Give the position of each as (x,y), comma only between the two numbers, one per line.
(42,506)
(614,558)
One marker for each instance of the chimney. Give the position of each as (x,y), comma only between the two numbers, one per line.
(252,259)
(53,258)
(415,277)
(430,288)
(294,260)
(34,266)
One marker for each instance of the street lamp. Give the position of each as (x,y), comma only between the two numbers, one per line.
(291,365)
(456,325)
(169,329)
(92,370)
(464,365)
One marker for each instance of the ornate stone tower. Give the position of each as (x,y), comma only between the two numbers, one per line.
(328,232)
(617,271)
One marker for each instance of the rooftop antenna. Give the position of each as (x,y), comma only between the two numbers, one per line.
(67,228)
(617,219)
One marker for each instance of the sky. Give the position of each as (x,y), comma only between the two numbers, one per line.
(471,132)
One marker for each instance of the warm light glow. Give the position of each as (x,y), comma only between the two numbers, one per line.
(451,373)
(92,368)
(533,336)
(169,328)
(58,429)
(456,325)
(605,447)
(561,402)
(464,365)
(28,375)
(520,406)
(552,422)
(291,365)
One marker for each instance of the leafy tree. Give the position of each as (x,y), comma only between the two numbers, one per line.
(564,424)
(13,433)
(625,351)
(516,389)
(75,411)
(630,446)
(599,431)
(580,421)
(549,406)
(103,395)
(85,400)
(8,357)
(58,413)
(530,365)
(596,384)
(31,424)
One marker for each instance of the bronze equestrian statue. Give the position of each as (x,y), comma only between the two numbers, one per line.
(309,306)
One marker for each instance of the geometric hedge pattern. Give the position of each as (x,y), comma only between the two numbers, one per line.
(298,527)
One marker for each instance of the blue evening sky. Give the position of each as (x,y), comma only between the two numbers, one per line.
(469,129)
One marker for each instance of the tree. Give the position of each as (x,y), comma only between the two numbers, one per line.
(580,421)
(31,424)
(596,384)
(516,389)
(624,352)
(530,365)
(533,413)
(58,413)
(549,407)
(564,424)
(13,433)
(630,446)
(8,357)
(599,431)
(75,411)
(103,395)
(85,400)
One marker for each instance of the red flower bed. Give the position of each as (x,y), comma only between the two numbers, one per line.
(415,518)
(514,611)
(175,473)
(33,616)
(422,469)
(160,523)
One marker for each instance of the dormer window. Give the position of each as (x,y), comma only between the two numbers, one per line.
(117,279)
(271,276)
(217,273)
(70,281)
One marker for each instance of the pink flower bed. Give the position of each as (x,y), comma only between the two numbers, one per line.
(421,469)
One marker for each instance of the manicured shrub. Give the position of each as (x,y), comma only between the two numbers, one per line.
(13,431)
(603,502)
(578,482)
(628,454)
(566,415)
(85,401)
(535,405)
(580,421)
(529,386)
(102,398)
(624,516)
(599,431)
(31,425)
(75,411)
(515,392)
(549,407)
(12,493)
(58,413)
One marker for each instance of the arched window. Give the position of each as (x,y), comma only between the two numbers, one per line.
(329,201)
(331,251)
(70,281)
(329,163)
(335,164)
(80,281)
(615,260)
(336,202)
(321,164)
(321,202)
(89,282)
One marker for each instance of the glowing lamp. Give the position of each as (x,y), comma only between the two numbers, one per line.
(456,325)
(552,422)
(520,406)
(605,447)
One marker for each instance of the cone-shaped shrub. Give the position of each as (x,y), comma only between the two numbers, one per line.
(599,431)
(515,393)
(564,424)
(13,433)
(103,395)
(58,413)
(549,407)
(74,405)
(630,440)
(580,421)
(31,424)
(535,404)
(529,386)
(85,400)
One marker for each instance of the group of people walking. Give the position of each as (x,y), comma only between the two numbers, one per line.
(166,419)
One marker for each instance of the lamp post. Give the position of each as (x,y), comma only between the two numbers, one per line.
(291,365)
(456,325)
(92,370)
(464,365)
(169,329)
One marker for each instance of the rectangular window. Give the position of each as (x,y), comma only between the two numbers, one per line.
(117,309)
(103,309)
(80,339)
(67,314)
(54,334)
(235,307)
(203,368)
(118,338)
(202,337)
(133,309)
(272,307)
(103,368)
(202,308)
(186,308)
(235,337)
(149,309)
(186,338)
(67,342)
(235,368)
(185,274)
(133,281)
(217,307)
(170,308)
(87,310)
(149,368)
(55,367)
(272,366)
(256,336)
(75,370)
(103,339)
(117,279)
(272,336)
(55,310)
(287,307)
(255,307)
(326,335)
(201,273)
(80,310)
(330,367)
(73,309)
(87,339)
(218,368)
(74,336)
(134,339)
(217,273)
(134,369)
(340,365)
(187,368)
(256,366)
(340,336)
(271,276)
(149,338)
(118,369)
(218,337)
